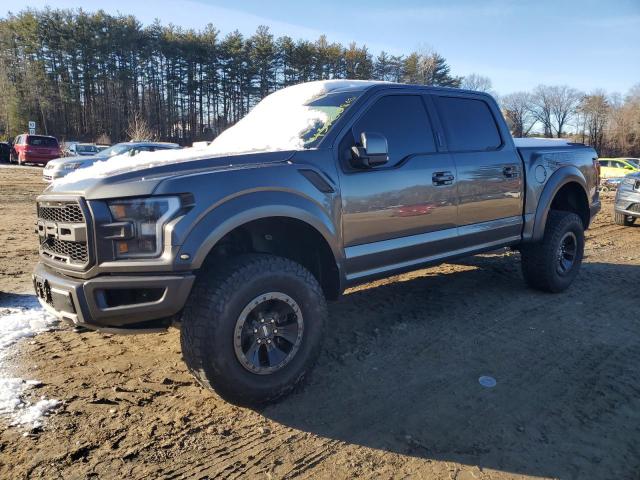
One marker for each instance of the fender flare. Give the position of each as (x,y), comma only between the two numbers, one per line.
(245,208)
(561,177)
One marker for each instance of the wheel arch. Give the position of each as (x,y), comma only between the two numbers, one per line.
(565,190)
(280,223)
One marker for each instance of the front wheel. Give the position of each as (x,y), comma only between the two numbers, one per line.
(552,264)
(252,328)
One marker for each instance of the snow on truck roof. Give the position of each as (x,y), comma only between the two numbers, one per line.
(275,124)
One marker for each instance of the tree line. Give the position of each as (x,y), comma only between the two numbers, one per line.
(101,77)
(85,75)
(609,123)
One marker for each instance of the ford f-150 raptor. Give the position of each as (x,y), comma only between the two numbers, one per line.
(322,186)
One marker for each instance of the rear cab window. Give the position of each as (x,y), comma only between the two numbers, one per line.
(403,120)
(468,123)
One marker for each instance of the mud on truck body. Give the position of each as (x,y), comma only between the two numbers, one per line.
(240,250)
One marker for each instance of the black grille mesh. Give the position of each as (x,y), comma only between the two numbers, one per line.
(69,213)
(76,251)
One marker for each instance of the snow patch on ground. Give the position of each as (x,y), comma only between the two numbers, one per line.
(20,317)
(274,124)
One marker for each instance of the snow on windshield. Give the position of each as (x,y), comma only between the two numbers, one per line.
(277,123)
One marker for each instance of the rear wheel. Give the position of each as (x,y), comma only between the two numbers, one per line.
(252,328)
(552,264)
(622,219)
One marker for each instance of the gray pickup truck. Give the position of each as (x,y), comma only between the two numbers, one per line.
(321,187)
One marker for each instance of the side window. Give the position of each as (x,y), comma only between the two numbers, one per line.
(403,120)
(469,124)
(604,163)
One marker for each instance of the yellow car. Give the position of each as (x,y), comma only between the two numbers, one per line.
(616,167)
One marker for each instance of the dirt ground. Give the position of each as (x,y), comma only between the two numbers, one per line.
(395,393)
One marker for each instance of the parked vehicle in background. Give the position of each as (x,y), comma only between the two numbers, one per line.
(616,167)
(610,184)
(323,186)
(62,166)
(38,149)
(5,151)
(101,148)
(66,145)
(633,161)
(627,206)
(82,149)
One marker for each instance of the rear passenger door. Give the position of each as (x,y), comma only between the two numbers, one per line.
(404,210)
(490,181)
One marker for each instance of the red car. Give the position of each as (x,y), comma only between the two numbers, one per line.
(35,149)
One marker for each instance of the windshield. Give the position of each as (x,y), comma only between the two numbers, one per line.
(116,149)
(294,118)
(332,106)
(634,162)
(86,149)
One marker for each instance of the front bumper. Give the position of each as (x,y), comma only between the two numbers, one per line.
(114,303)
(51,174)
(628,202)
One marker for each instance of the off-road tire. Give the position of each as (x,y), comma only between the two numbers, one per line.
(539,260)
(219,295)
(622,219)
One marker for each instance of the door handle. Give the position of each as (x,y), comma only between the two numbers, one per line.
(442,178)
(510,172)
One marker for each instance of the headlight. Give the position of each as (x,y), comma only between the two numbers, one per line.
(71,166)
(146,216)
(629,180)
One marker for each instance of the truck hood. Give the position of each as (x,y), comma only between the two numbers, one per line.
(136,181)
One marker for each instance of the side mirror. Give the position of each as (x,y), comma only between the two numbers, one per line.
(372,152)
(627,167)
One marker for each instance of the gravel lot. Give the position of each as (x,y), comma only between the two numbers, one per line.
(395,393)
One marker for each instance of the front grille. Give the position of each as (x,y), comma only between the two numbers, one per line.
(62,236)
(76,251)
(67,213)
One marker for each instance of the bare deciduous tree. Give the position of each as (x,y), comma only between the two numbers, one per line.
(554,107)
(478,82)
(103,139)
(138,129)
(623,129)
(593,115)
(517,111)
(564,104)
(540,108)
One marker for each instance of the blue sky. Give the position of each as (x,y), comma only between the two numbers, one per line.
(587,44)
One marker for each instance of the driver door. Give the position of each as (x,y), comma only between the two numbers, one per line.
(405,211)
